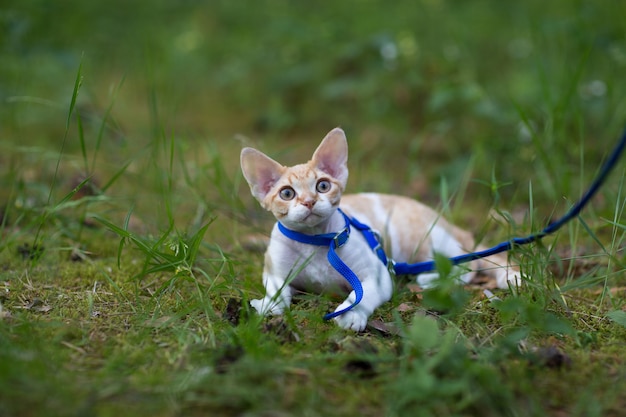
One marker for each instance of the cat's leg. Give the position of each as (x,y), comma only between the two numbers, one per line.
(508,276)
(277,297)
(444,243)
(498,267)
(277,292)
(377,289)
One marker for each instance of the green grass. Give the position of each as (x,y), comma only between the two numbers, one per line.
(125,224)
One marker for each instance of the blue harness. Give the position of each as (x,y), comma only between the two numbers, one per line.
(336,240)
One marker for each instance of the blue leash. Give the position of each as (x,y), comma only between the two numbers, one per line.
(337,240)
(414,269)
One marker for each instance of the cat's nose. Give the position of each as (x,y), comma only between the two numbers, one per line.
(308,203)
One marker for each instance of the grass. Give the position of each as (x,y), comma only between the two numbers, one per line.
(126,230)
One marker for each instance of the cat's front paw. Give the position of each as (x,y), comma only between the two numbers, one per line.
(352,320)
(266,307)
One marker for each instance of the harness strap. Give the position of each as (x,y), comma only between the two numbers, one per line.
(372,238)
(333,241)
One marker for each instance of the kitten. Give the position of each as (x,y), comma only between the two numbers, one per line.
(305,198)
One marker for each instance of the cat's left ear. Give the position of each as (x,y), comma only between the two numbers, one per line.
(331,156)
(261,172)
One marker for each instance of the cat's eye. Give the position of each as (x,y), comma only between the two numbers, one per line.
(323,186)
(287,193)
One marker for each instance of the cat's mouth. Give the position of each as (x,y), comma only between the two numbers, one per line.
(309,215)
(312,218)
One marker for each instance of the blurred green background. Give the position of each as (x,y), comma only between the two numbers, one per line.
(500,92)
(486,104)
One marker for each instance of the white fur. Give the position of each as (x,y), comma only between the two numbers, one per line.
(443,243)
(313,268)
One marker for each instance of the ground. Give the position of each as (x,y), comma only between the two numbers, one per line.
(130,245)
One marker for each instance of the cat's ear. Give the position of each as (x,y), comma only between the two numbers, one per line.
(261,172)
(332,155)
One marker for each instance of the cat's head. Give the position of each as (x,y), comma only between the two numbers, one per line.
(305,195)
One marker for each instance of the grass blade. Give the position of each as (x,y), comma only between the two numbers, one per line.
(618,316)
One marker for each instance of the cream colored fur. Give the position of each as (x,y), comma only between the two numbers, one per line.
(305,198)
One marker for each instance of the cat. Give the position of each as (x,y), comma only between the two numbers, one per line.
(306,198)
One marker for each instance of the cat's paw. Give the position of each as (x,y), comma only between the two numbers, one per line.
(508,278)
(352,320)
(267,307)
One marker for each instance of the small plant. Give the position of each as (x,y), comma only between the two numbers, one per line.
(441,373)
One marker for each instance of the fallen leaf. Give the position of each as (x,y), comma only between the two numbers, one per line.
(416,290)
(382,327)
(43,309)
(38,305)
(404,307)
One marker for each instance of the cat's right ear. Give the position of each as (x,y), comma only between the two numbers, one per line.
(261,172)
(331,156)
